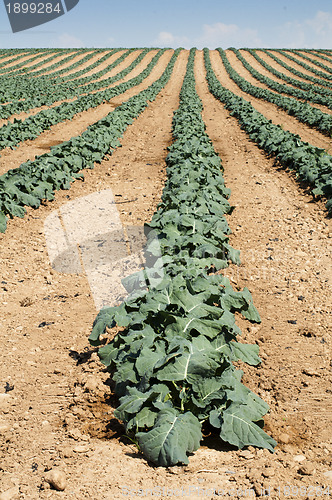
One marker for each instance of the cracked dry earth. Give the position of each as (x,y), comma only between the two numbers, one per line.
(56,401)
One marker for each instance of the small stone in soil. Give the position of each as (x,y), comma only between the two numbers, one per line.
(307,470)
(45,323)
(81,448)
(268,472)
(4,427)
(57,479)
(284,438)
(310,372)
(11,494)
(67,452)
(246,454)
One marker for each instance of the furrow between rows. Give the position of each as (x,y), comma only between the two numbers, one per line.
(271,111)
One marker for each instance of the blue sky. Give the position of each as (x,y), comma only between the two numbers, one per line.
(186,23)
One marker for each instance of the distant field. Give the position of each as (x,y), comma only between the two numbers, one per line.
(244,204)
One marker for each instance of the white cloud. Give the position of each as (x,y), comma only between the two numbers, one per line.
(315,32)
(311,33)
(227,35)
(68,41)
(321,24)
(166,39)
(212,36)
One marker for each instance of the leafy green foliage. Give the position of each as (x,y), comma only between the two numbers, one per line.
(29,92)
(307,92)
(303,111)
(36,180)
(322,82)
(21,130)
(173,435)
(313,165)
(310,67)
(173,362)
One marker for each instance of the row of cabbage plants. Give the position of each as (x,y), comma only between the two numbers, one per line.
(21,84)
(303,111)
(12,134)
(312,94)
(312,165)
(34,56)
(38,180)
(173,362)
(71,89)
(290,53)
(26,86)
(290,68)
(310,67)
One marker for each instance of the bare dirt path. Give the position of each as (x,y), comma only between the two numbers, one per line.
(258,67)
(100,66)
(45,321)
(286,248)
(125,63)
(269,110)
(295,65)
(299,57)
(277,66)
(112,72)
(40,59)
(301,68)
(246,74)
(71,128)
(53,414)
(12,56)
(269,60)
(317,57)
(45,67)
(280,68)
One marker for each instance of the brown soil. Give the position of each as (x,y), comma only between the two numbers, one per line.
(283,58)
(310,63)
(317,57)
(101,66)
(45,67)
(28,64)
(256,65)
(56,406)
(118,68)
(280,68)
(79,123)
(271,111)
(299,67)
(12,56)
(126,62)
